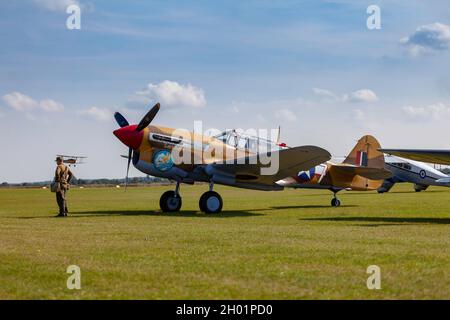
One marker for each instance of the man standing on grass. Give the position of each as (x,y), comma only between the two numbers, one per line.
(63,176)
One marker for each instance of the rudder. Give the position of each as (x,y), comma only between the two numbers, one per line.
(366,154)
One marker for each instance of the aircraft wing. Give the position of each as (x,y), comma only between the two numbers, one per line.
(424,155)
(253,174)
(444,182)
(75,157)
(72,160)
(366,172)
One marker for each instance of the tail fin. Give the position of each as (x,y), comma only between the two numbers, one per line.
(363,169)
(366,154)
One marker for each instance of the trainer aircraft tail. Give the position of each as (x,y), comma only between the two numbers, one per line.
(363,168)
(366,154)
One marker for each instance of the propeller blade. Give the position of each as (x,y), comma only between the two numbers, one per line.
(120,119)
(130,153)
(147,119)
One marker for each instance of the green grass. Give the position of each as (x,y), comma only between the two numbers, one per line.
(265,245)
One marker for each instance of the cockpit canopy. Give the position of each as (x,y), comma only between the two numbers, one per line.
(254,144)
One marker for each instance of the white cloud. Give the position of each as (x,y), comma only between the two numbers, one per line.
(325,93)
(55,5)
(19,101)
(434,111)
(50,105)
(173,94)
(428,38)
(285,115)
(23,103)
(99,114)
(362,95)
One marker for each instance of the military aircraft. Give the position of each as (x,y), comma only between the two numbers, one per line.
(418,173)
(229,158)
(424,155)
(72,160)
(362,170)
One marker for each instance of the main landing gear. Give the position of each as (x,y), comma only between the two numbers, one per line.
(335,202)
(210,201)
(170,201)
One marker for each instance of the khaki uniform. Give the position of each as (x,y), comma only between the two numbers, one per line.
(63,175)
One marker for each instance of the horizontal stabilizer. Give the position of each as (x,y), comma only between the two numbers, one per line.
(366,172)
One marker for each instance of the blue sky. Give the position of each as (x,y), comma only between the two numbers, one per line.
(312,67)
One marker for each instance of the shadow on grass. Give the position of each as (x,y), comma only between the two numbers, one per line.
(188,214)
(384,220)
(377,225)
(319,206)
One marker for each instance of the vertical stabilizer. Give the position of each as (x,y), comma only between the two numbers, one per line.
(366,154)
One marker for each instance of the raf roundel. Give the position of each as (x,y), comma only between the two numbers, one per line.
(162,160)
(422,174)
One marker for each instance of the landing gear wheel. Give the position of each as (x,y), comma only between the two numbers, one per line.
(211,202)
(170,202)
(335,202)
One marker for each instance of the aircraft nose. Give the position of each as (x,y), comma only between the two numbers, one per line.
(129,136)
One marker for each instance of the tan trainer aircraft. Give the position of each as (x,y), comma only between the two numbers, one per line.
(72,160)
(229,158)
(362,170)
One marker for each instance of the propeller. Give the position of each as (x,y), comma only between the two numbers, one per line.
(120,119)
(130,154)
(122,122)
(145,121)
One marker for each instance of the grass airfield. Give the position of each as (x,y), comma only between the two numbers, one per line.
(264,245)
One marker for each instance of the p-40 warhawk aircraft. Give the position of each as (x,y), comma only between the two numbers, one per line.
(229,159)
(362,170)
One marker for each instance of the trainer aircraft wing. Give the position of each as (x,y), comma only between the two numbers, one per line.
(424,155)
(366,172)
(254,173)
(72,160)
(444,182)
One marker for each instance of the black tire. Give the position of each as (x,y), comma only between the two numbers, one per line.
(170,202)
(335,202)
(210,202)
